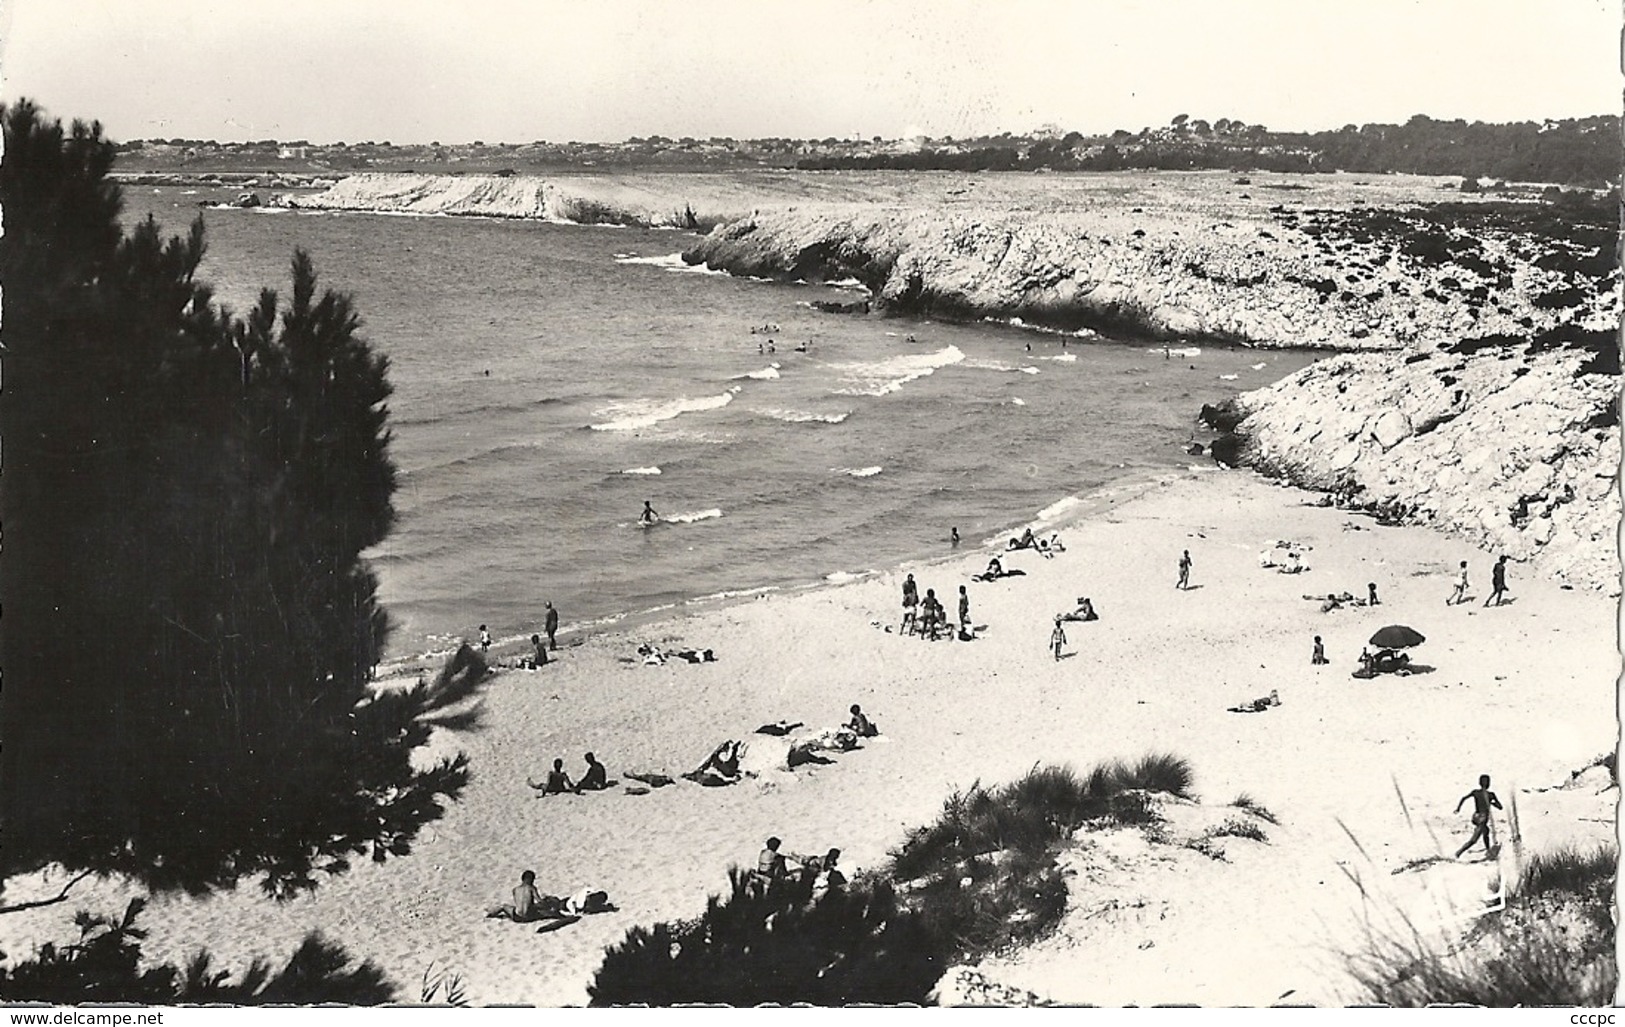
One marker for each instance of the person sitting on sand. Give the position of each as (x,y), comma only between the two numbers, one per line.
(770,868)
(648,516)
(860,724)
(527,902)
(1483,824)
(1366,662)
(1085,611)
(539,655)
(558,782)
(596,779)
(1054,545)
(995,569)
(1331,603)
(1027,541)
(1319,656)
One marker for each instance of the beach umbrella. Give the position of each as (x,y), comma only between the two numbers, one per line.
(1397,636)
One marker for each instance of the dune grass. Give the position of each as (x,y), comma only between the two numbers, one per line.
(1553,944)
(1256,808)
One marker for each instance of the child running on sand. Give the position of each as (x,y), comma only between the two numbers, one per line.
(1057,638)
(1483,824)
(1460,593)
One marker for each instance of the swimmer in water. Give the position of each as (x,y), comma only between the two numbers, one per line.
(648,516)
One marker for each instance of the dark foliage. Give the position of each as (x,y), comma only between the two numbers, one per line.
(189,629)
(749,948)
(104,966)
(1576,151)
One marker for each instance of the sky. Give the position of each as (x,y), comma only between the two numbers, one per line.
(605,70)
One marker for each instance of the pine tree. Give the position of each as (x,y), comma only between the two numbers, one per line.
(189,627)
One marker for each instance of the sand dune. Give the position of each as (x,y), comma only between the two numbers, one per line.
(1523,692)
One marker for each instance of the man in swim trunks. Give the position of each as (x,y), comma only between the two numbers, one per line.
(648,516)
(1185,570)
(964,609)
(1483,824)
(1498,581)
(526,906)
(552,627)
(558,782)
(769,866)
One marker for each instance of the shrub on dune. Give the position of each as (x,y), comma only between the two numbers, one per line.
(849,945)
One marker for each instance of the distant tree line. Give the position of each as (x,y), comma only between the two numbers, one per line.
(1576,151)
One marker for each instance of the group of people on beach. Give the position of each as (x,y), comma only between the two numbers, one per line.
(538,656)
(594,779)
(928,618)
(1498,584)
(821,873)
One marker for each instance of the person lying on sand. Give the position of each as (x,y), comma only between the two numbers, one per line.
(1258,705)
(860,724)
(1085,611)
(1054,545)
(596,779)
(558,782)
(719,768)
(651,779)
(779,728)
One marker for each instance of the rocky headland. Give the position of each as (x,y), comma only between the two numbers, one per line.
(1480,396)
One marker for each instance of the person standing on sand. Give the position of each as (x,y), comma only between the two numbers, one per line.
(1498,581)
(552,627)
(1319,656)
(1371,590)
(485,639)
(1057,639)
(964,610)
(1483,824)
(911,599)
(1460,593)
(1185,570)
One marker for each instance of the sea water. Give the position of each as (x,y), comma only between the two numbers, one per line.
(550,379)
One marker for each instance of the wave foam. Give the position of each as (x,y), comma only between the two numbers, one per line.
(881,377)
(669,262)
(803,416)
(692,516)
(648,413)
(859,472)
(641,470)
(1179,351)
(1058,508)
(1018,401)
(766,374)
(1064,358)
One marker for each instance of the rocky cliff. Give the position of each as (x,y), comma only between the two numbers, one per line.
(1335,279)
(1516,450)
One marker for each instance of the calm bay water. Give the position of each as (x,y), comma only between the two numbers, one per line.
(544,374)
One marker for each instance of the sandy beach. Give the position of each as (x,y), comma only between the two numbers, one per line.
(1523,692)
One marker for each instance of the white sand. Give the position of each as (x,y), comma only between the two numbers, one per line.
(1524,692)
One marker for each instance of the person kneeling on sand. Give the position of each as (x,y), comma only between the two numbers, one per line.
(596,779)
(558,782)
(527,902)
